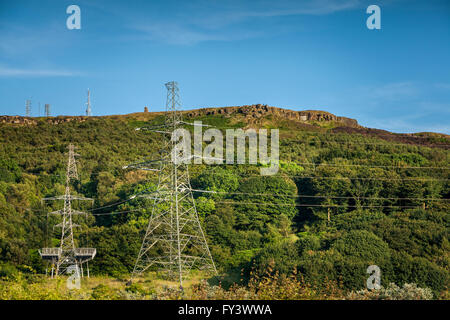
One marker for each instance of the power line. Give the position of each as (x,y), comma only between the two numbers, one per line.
(312,205)
(93,214)
(336,178)
(284,142)
(321,177)
(115,212)
(367,166)
(316,165)
(316,196)
(386,143)
(97,208)
(369,179)
(109,205)
(252,194)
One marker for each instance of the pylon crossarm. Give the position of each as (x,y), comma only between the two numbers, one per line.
(80,198)
(57,212)
(53,198)
(60,212)
(194,156)
(209,158)
(67,197)
(78,212)
(148,169)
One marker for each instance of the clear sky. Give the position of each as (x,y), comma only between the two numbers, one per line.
(315,54)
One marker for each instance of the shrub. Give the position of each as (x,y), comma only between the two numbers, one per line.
(7,271)
(281,257)
(103,292)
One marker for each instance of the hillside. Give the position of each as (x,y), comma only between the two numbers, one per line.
(345,197)
(260,116)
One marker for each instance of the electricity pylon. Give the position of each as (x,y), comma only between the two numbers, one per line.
(67,254)
(174,240)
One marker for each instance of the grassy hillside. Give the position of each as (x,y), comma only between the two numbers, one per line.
(346,197)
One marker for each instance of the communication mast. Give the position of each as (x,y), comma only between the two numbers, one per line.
(88,103)
(28,108)
(47,110)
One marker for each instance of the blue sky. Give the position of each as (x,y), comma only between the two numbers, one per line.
(315,54)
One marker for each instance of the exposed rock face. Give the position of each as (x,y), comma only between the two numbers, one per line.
(18,120)
(257,111)
(253,114)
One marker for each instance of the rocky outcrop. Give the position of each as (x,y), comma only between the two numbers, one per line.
(26,121)
(17,120)
(258,111)
(252,114)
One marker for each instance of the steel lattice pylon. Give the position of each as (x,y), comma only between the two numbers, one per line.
(67,254)
(174,239)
